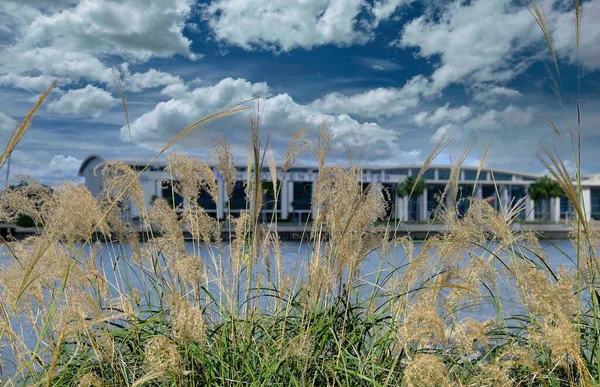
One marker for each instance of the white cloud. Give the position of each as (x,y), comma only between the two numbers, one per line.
(563,35)
(280,118)
(442,115)
(383,9)
(380,102)
(491,94)
(66,167)
(71,42)
(44,167)
(39,83)
(152,78)
(55,62)
(135,28)
(6,122)
(288,24)
(475,40)
(511,117)
(285,24)
(441,132)
(90,100)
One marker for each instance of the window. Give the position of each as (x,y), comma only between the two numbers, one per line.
(172,197)
(471,174)
(302,195)
(444,174)
(502,176)
(401,171)
(428,174)
(595,196)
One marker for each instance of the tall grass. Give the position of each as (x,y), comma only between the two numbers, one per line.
(84,302)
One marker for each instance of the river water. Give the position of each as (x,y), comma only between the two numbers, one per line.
(296,256)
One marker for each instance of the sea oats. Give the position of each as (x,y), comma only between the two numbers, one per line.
(75,214)
(323,144)
(187,320)
(298,145)
(121,183)
(200,225)
(422,326)
(162,357)
(348,213)
(469,337)
(29,198)
(222,157)
(192,175)
(426,371)
(490,375)
(89,380)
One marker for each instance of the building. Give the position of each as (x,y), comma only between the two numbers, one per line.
(297,185)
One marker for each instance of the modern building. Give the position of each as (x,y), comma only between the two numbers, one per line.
(297,186)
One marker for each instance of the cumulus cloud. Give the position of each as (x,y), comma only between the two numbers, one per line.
(441,115)
(380,102)
(90,100)
(134,28)
(69,42)
(492,94)
(152,78)
(475,40)
(563,35)
(285,25)
(55,62)
(281,117)
(39,83)
(510,117)
(44,167)
(383,9)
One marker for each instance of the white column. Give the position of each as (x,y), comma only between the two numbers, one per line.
(423,214)
(398,207)
(555,210)
(505,199)
(283,199)
(405,209)
(479,191)
(587,202)
(221,198)
(529,209)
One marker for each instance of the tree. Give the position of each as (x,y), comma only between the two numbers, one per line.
(406,187)
(544,188)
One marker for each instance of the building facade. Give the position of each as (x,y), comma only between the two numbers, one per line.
(500,188)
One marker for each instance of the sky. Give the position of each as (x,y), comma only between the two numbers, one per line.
(390,78)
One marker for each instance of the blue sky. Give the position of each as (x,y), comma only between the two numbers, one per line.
(389,76)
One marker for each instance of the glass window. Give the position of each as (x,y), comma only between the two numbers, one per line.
(595,196)
(302,195)
(443,174)
(502,176)
(471,174)
(172,197)
(428,175)
(401,171)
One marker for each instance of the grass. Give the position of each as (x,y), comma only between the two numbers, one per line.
(242,311)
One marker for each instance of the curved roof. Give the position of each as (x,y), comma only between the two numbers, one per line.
(87,162)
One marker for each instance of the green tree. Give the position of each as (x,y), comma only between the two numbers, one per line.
(544,188)
(406,187)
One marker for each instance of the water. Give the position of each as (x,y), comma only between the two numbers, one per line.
(296,257)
